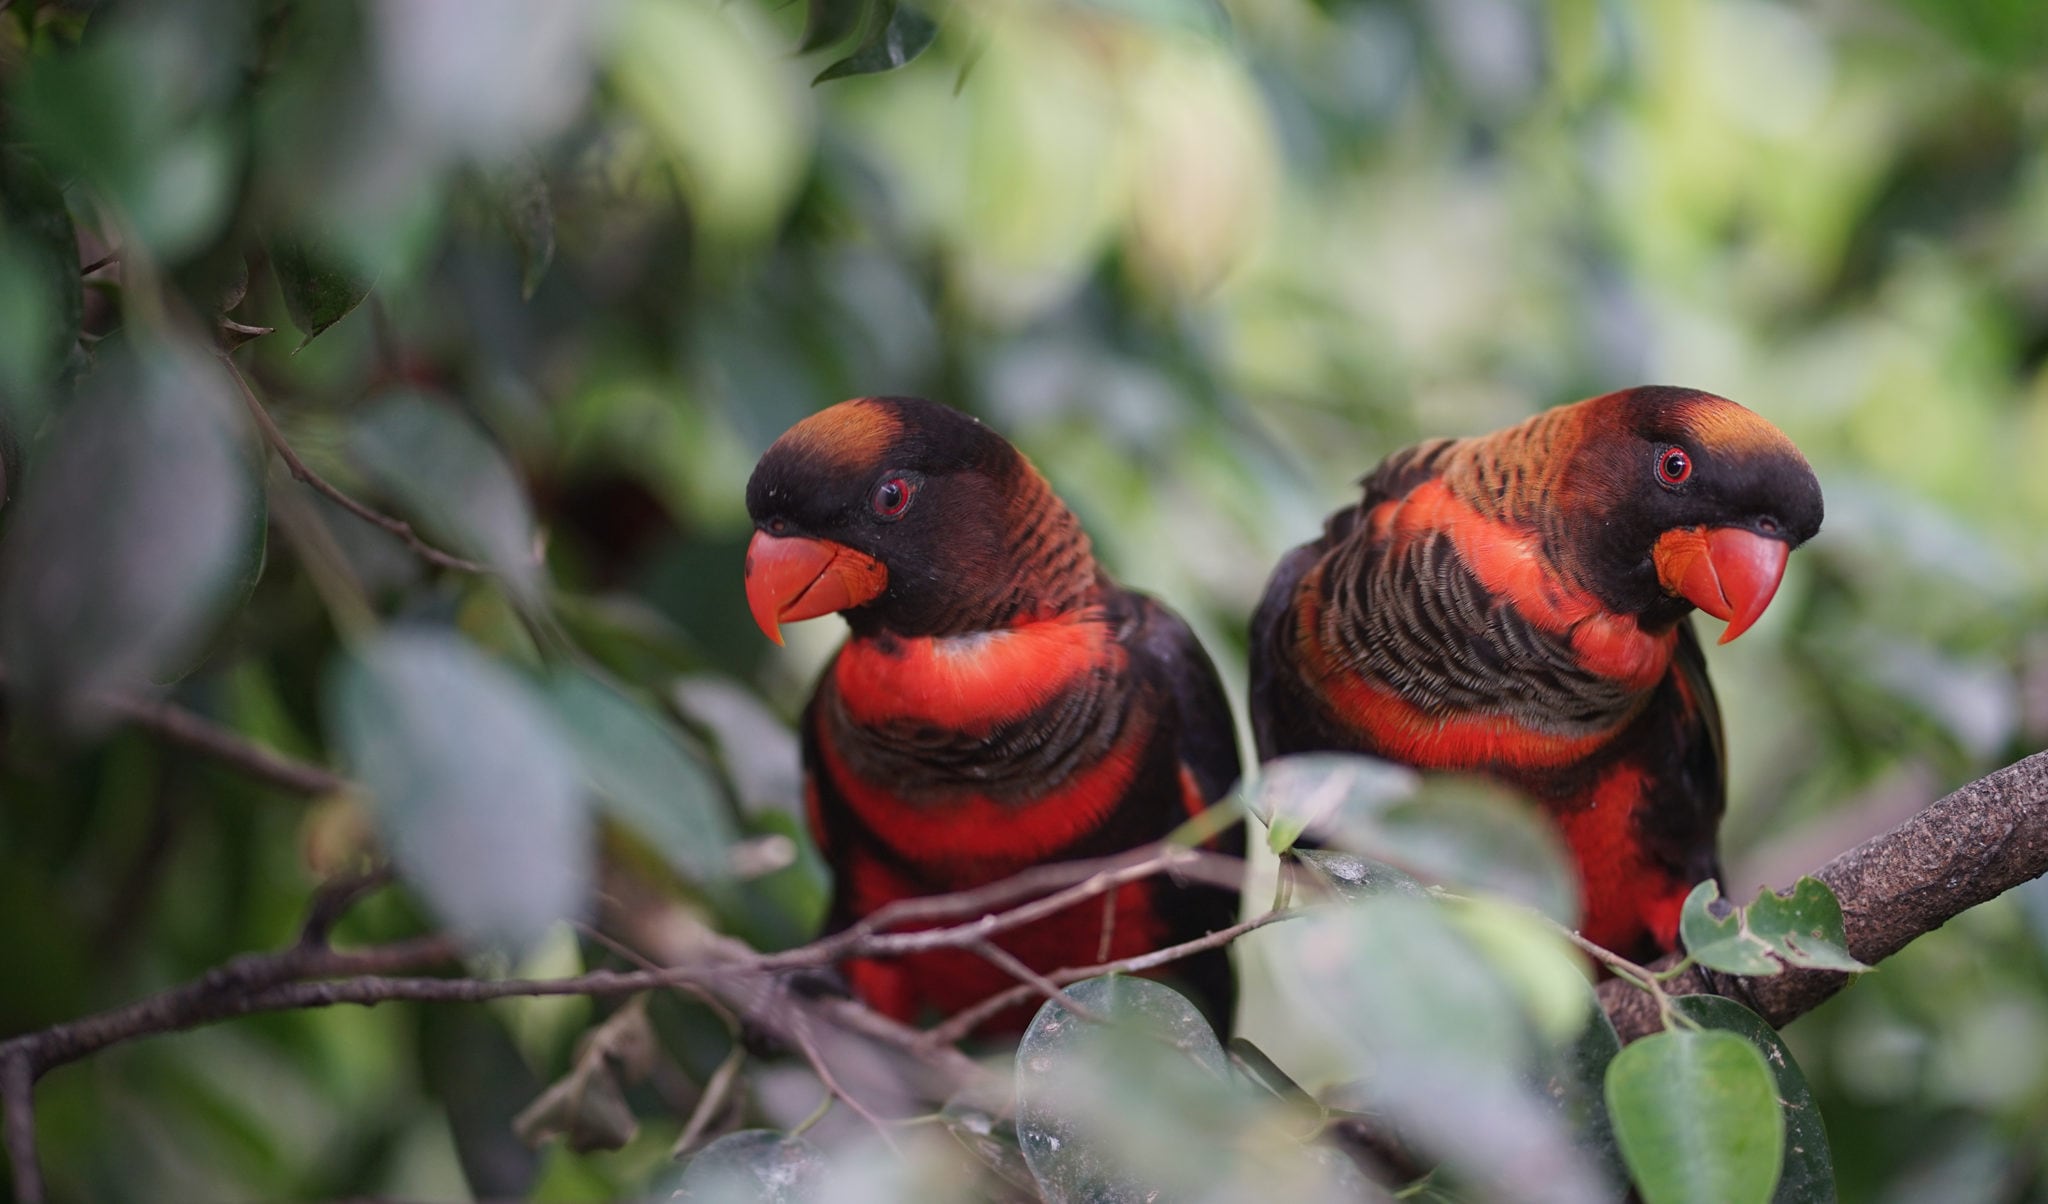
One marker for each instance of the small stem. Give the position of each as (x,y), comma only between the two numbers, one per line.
(396,526)
(817,1114)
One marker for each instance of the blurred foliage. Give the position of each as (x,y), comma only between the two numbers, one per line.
(549,277)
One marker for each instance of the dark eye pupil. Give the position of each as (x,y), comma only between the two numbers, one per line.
(891,496)
(1675,465)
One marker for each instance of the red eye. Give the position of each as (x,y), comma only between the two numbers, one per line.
(1674,466)
(892,497)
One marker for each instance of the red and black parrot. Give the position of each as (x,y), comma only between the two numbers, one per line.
(1000,701)
(1518,605)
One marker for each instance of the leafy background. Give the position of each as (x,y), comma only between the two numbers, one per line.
(1205,262)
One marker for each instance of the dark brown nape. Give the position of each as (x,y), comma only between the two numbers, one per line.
(1051,560)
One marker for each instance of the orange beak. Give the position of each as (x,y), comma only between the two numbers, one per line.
(1729,572)
(790,578)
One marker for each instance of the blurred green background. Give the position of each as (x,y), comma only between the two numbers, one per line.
(1206,262)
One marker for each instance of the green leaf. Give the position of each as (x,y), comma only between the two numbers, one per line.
(1697,1117)
(902,37)
(644,776)
(475,789)
(1802,928)
(1437,1037)
(320,287)
(131,540)
(449,478)
(1808,1173)
(42,300)
(827,22)
(756,1166)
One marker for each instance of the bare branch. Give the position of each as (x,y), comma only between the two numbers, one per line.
(956,1027)
(227,746)
(396,526)
(17,1095)
(1966,849)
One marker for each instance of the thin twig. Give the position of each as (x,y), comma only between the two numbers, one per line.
(227,746)
(958,1026)
(717,1093)
(103,260)
(800,1035)
(396,526)
(1002,959)
(17,1094)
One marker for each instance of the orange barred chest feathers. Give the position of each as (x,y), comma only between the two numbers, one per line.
(972,686)
(971,683)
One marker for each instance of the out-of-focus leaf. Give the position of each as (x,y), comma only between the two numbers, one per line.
(756,1166)
(2005,33)
(1803,928)
(1205,17)
(587,1106)
(476,790)
(890,45)
(131,538)
(1697,1117)
(829,21)
(645,777)
(320,287)
(449,479)
(1533,957)
(1315,793)
(715,103)
(1448,830)
(1135,1102)
(41,300)
(1808,1175)
(1439,1041)
(528,210)
(138,110)
(475,1071)
(479,79)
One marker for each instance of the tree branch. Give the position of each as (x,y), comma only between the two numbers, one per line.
(1966,849)
(203,736)
(376,518)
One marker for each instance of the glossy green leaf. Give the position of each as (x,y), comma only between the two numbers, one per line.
(756,1166)
(1697,1117)
(644,776)
(476,790)
(320,286)
(450,480)
(903,36)
(1808,1173)
(130,542)
(1803,928)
